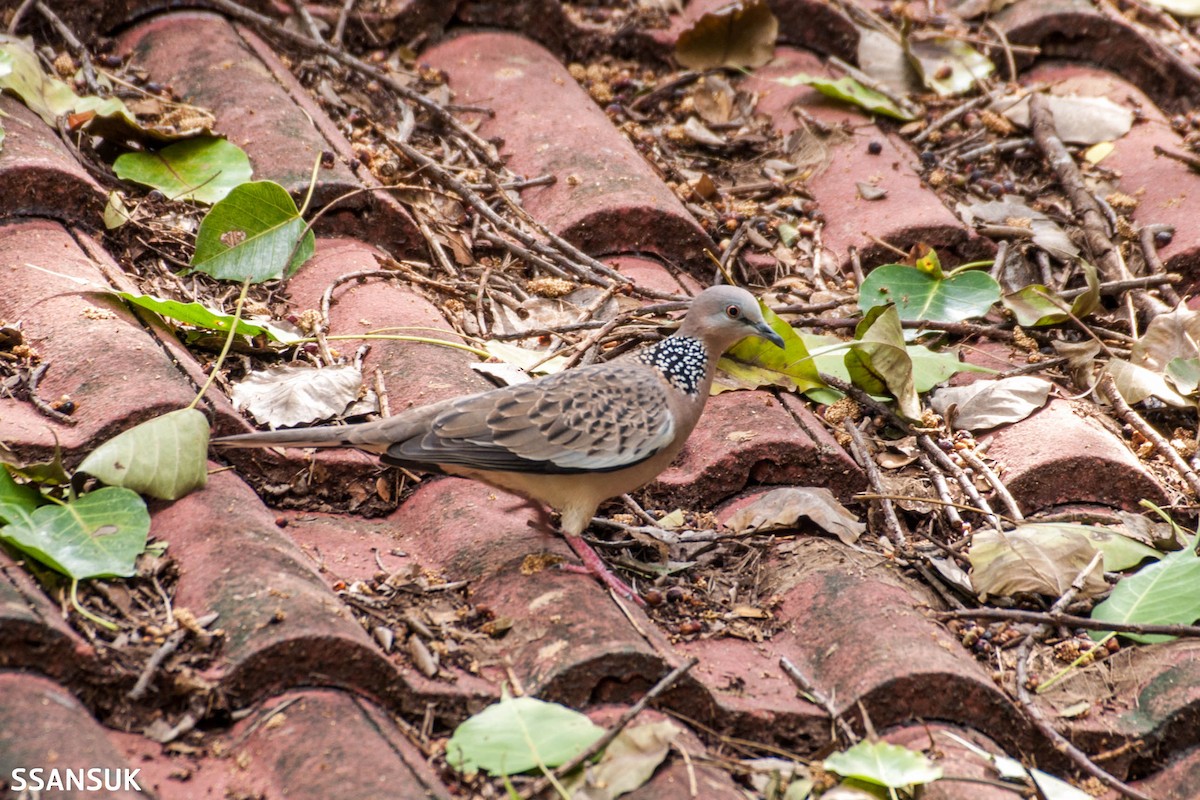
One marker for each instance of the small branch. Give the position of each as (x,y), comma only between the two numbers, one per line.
(154,662)
(1108,387)
(41,405)
(978,464)
(669,680)
(1061,743)
(964,480)
(805,685)
(1183,158)
(268,25)
(1117,287)
(1146,236)
(862,454)
(1057,618)
(81,52)
(950,116)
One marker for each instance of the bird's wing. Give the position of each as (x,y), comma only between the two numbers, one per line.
(592,419)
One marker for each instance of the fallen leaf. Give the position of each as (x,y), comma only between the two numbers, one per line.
(287,395)
(1046,232)
(987,404)
(1036,561)
(782,508)
(1077,120)
(741,34)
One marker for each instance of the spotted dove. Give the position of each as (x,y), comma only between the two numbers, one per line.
(570,440)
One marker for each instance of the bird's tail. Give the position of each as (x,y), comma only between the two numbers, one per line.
(323,436)
(374,437)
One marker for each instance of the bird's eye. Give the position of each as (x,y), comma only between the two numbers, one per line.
(733,312)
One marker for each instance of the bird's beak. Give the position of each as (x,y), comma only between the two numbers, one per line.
(765,331)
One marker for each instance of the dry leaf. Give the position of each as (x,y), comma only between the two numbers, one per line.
(782,508)
(288,395)
(741,34)
(987,404)
(1032,562)
(1077,120)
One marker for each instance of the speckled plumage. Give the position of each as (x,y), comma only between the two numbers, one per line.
(570,440)
(682,360)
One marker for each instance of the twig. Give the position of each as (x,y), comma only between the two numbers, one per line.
(155,661)
(1107,255)
(1009,60)
(950,116)
(1108,388)
(41,405)
(1183,158)
(938,478)
(339,28)
(955,328)
(1116,287)
(805,685)
(1002,492)
(584,266)
(264,23)
(18,14)
(1061,743)
(667,682)
(862,454)
(1059,619)
(964,480)
(81,52)
(1146,236)
(1005,146)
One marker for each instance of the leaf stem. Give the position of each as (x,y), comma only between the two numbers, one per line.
(101,621)
(237,316)
(967,266)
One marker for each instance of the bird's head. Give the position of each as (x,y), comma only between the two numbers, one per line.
(722,316)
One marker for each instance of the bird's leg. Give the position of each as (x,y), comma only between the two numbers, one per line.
(592,563)
(595,566)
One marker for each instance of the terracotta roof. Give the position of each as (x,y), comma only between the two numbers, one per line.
(301,696)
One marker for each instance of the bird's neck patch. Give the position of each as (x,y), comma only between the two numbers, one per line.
(682,360)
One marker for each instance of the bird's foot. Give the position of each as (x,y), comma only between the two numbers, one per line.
(594,565)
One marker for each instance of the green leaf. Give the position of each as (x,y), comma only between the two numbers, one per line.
(99,534)
(848,90)
(116,213)
(252,233)
(519,734)
(753,362)
(44,95)
(17,501)
(883,764)
(50,473)
(1036,305)
(1136,383)
(1184,373)
(202,316)
(919,296)
(878,362)
(933,367)
(204,169)
(1163,593)
(930,367)
(164,457)
(930,264)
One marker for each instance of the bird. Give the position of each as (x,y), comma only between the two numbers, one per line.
(570,440)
